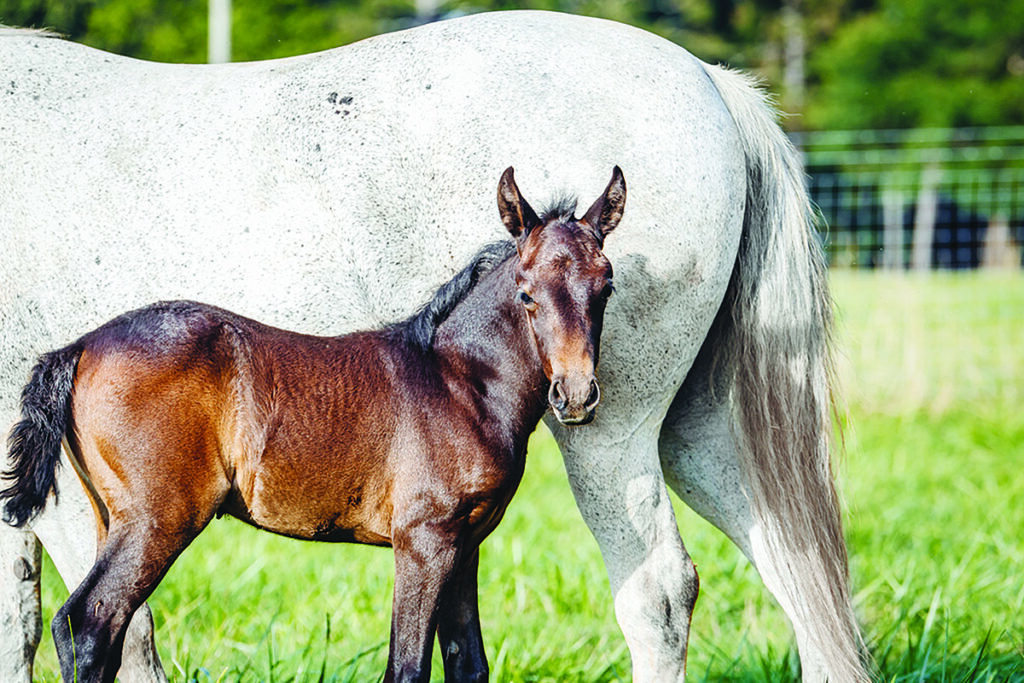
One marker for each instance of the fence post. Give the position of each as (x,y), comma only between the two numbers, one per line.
(924,219)
(999,251)
(866,183)
(892,229)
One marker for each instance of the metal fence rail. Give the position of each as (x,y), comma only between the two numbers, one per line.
(924,198)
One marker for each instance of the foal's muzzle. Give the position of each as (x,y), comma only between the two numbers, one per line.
(574,402)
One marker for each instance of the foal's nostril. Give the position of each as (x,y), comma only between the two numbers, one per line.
(556,396)
(595,395)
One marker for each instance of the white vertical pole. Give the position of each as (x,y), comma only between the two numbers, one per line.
(924,218)
(219,41)
(793,62)
(892,228)
(426,9)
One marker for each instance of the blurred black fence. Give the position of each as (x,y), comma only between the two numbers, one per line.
(919,199)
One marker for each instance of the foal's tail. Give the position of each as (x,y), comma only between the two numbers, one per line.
(35,441)
(775,344)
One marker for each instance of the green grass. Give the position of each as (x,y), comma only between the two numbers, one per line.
(933,375)
(933,368)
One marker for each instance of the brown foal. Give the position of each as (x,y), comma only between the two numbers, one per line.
(412,436)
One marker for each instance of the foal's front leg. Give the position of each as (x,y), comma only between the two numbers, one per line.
(425,558)
(458,627)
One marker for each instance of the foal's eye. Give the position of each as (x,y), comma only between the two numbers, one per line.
(527,300)
(608,290)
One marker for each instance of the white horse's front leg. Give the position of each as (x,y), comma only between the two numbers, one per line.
(619,489)
(68,532)
(20,563)
(20,619)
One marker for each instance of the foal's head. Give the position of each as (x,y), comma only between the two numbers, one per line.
(564,283)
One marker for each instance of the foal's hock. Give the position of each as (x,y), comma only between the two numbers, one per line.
(412,436)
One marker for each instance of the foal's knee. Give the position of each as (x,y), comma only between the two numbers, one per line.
(76,647)
(88,646)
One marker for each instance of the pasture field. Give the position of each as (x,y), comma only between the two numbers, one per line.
(932,376)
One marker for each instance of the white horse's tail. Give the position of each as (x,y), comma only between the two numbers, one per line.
(775,344)
(15,32)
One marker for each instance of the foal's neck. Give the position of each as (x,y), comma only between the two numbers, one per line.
(486,346)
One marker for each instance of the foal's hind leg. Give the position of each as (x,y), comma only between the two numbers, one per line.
(458,627)
(153,518)
(161,484)
(89,629)
(68,532)
(67,529)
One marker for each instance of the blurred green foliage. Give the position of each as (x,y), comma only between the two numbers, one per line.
(914,63)
(868,63)
(176,31)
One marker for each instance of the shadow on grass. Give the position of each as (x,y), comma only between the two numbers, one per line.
(916,650)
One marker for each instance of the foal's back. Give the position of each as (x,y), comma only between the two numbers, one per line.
(289,432)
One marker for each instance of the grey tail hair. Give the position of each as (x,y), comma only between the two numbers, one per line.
(776,347)
(35,440)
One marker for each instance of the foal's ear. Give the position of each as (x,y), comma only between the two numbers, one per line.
(517,215)
(606,212)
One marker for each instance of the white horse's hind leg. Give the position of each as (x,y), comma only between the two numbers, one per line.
(621,493)
(20,620)
(140,662)
(702,465)
(772,343)
(68,530)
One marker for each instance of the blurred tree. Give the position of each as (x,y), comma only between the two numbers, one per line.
(742,33)
(70,16)
(150,29)
(264,29)
(913,63)
(176,31)
(729,31)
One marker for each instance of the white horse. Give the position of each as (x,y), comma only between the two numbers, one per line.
(292,191)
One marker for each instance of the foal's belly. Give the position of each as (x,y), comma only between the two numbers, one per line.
(329,496)
(317,462)
(345,520)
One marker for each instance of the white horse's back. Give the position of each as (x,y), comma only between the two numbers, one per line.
(347,154)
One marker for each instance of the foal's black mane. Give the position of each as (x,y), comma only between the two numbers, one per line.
(419,329)
(562,208)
